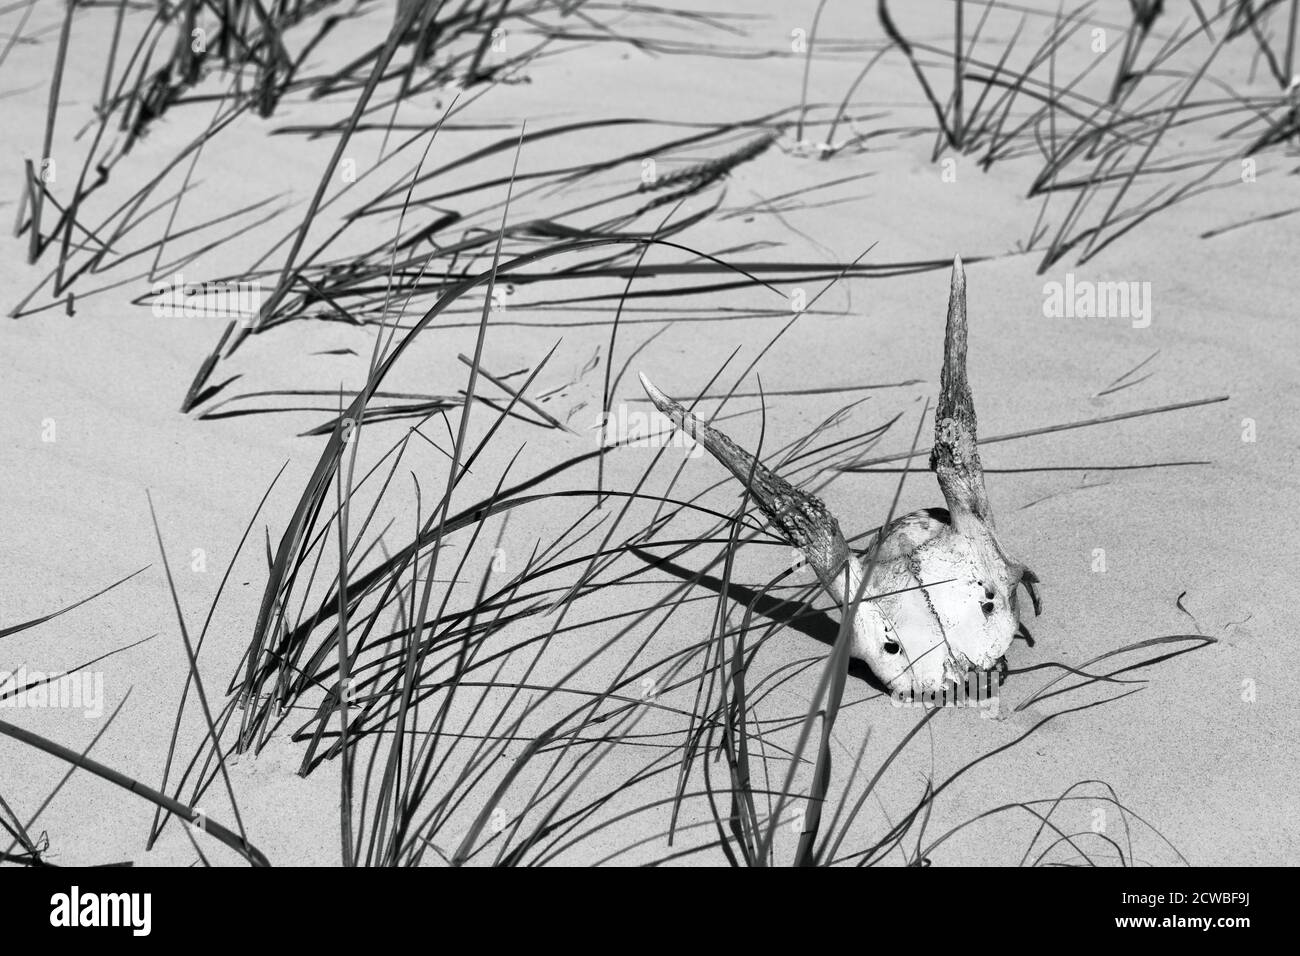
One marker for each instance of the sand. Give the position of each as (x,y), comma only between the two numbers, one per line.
(1204,751)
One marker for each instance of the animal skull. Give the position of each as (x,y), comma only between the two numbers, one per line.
(942,598)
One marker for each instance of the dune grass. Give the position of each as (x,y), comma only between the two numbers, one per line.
(1117,139)
(428,680)
(34,851)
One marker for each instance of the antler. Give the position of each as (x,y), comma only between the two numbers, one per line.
(806,522)
(803,519)
(955,458)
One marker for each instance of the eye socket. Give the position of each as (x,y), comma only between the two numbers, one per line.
(987,608)
(891,647)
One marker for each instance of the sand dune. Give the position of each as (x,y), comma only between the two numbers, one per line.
(1174,524)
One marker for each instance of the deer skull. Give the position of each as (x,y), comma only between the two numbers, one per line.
(942,599)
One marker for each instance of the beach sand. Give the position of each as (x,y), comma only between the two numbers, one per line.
(1203,751)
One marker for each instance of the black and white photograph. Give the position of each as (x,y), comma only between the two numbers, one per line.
(613,433)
